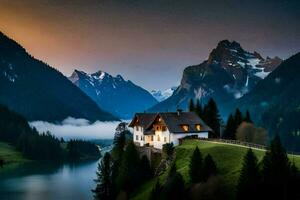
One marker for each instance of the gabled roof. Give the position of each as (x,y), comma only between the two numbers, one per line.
(144,119)
(173,121)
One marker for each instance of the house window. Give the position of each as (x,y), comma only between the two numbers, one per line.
(164,128)
(137,128)
(185,128)
(158,138)
(151,138)
(136,137)
(157,128)
(141,137)
(198,127)
(165,139)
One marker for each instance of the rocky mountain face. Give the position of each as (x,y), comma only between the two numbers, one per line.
(227,74)
(113,94)
(161,95)
(276,101)
(39,92)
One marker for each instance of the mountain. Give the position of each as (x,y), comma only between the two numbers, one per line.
(114,94)
(275,101)
(39,92)
(227,74)
(162,95)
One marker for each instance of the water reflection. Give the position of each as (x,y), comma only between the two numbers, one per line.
(50,181)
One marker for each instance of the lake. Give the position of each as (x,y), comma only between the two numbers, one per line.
(50,182)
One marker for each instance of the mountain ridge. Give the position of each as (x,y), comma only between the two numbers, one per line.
(38,91)
(114,94)
(236,70)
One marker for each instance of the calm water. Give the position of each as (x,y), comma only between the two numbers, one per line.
(49,182)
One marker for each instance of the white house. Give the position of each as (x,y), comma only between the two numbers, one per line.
(156,129)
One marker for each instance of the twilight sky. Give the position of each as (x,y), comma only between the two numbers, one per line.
(147,41)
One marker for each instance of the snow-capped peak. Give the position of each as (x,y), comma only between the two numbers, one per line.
(162,95)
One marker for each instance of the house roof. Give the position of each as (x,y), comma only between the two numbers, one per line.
(144,119)
(173,121)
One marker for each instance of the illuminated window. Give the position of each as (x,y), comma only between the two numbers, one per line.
(159,119)
(198,127)
(185,128)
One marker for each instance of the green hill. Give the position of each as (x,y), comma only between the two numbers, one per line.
(227,157)
(11,157)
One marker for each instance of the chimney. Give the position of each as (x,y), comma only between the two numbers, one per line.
(179,111)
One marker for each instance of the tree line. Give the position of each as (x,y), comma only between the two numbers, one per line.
(202,174)
(239,126)
(275,177)
(33,145)
(121,171)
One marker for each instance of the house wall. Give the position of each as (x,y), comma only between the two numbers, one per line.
(138,136)
(161,137)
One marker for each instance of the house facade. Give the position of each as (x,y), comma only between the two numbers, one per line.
(157,129)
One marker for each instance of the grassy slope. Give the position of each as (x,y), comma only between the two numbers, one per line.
(228,158)
(11,156)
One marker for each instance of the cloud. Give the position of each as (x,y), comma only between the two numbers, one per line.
(72,128)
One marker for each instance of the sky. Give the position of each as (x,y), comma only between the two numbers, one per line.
(149,42)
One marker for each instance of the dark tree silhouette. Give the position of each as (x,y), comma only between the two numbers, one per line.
(209,167)
(212,117)
(199,109)
(103,188)
(248,117)
(249,178)
(230,130)
(191,105)
(196,166)
(275,171)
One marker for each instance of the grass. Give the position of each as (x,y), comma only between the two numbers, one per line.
(11,156)
(228,158)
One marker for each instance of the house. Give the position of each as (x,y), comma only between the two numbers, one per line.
(157,129)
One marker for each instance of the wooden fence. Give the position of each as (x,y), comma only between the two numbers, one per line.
(246,144)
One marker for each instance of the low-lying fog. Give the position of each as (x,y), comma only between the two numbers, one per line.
(72,128)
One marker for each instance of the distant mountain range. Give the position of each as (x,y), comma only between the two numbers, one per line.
(161,95)
(229,73)
(114,94)
(39,92)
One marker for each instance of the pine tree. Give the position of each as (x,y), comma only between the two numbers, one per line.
(145,168)
(209,167)
(229,132)
(248,117)
(191,105)
(249,178)
(103,188)
(212,117)
(174,186)
(156,191)
(238,118)
(276,170)
(196,166)
(294,183)
(199,109)
(129,174)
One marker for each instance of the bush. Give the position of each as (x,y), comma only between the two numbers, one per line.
(247,132)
